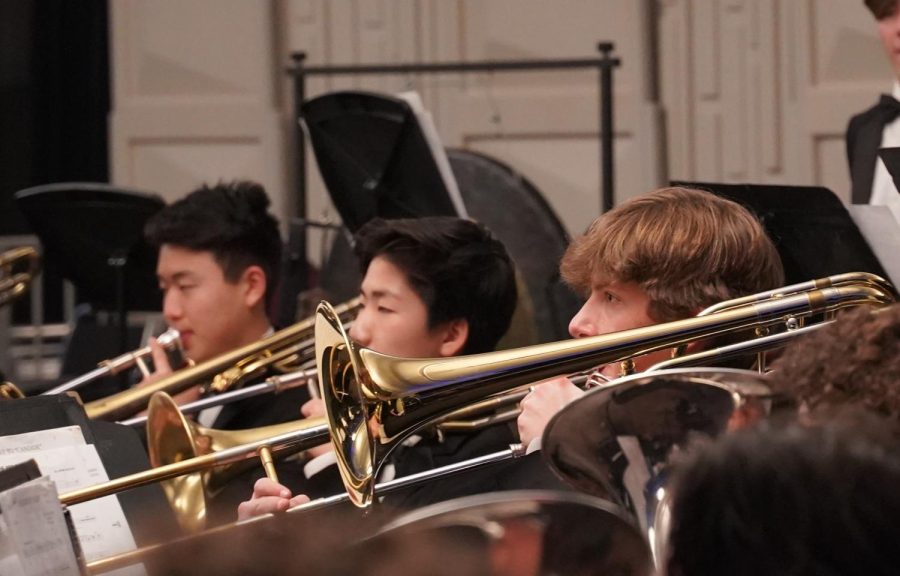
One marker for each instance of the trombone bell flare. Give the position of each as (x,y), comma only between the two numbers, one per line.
(345,408)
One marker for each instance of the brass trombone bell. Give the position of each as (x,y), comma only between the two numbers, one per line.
(14,282)
(171,438)
(373,401)
(304,434)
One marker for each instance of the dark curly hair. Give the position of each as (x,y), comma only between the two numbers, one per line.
(798,500)
(854,361)
(457,267)
(231,220)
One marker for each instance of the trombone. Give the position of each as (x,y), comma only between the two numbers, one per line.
(284,349)
(373,401)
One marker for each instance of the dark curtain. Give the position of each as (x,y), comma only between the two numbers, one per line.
(54,102)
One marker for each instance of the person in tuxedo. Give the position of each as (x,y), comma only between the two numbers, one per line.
(432,287)
(659,257)
(879,126)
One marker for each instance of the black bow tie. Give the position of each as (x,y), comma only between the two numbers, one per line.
(890,106)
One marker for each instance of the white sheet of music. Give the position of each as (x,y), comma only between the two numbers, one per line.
(429,130)
(62,455)
(34,538)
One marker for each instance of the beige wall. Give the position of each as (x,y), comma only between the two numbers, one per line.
(727,90)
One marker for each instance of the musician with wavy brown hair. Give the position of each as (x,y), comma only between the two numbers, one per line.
(659,257)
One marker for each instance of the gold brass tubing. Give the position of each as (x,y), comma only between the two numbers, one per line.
(268,463)
(313,433)
(124,404)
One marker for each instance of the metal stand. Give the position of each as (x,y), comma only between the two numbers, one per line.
(604,65)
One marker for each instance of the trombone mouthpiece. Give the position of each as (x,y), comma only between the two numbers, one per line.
(170,337)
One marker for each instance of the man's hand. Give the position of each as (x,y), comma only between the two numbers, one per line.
(311,409)
(161,369)
(268,497)
(544,400)
(161,366)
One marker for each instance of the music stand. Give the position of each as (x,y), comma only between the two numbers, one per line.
(94,233)
(378,158)
(811,228)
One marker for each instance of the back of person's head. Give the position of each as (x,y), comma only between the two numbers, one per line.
(230,220)
(457,267)
(853,361)
(687,249)
(797,501)
(881,8)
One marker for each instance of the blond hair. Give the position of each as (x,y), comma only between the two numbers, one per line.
(687,249)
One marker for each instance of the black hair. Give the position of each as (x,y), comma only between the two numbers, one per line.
(231,220)
(790,500)
(455,266)
(881,8)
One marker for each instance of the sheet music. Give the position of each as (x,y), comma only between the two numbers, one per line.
(100,523)
(429,130)
(34,539)
(24,444)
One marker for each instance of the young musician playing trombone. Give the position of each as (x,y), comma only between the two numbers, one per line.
(219,254)
(660,257)
(432,287)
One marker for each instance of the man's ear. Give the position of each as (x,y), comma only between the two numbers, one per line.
(456,334)
(254,284)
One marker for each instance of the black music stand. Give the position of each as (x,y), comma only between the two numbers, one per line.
(375,158)
(94,233)
(811,228)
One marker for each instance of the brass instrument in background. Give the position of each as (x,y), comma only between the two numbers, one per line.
(284,350)
(14,282)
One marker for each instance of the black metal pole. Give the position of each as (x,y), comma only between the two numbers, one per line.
(607,180)
(302,276)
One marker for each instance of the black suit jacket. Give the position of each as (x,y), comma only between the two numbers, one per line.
(431,452)
(863,140)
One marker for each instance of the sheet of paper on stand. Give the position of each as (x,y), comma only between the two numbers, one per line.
(62,455)
(34,538)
